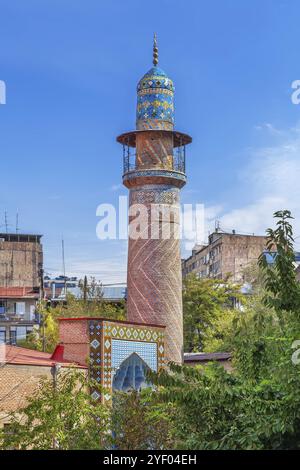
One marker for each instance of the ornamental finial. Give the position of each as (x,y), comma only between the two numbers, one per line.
(155,51)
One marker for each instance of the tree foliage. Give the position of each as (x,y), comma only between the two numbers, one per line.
(60,415)
(205,301)
(138,422)
(282,287)
(90,303)
(256,406)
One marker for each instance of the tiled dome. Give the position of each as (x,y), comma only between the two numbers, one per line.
(155,78)
(155,103)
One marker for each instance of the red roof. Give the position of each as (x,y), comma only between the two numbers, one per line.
(16,355)
(18,292)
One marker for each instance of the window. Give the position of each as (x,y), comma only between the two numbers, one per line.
(2,307)
(2,335)
(13,335)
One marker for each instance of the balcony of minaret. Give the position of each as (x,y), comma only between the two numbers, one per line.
(154,154)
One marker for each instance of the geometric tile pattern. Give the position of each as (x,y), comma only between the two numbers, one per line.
(155,105)
(112,342)
(155,173)
(160,194)
(121,349)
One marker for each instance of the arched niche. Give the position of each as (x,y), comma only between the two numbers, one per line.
(131,375)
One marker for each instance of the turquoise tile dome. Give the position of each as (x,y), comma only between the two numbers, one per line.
(155,78)
(155,101)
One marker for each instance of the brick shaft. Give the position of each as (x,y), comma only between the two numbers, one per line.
(154,263)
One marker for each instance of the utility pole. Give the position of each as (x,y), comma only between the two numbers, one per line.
(85,289)
(64,265)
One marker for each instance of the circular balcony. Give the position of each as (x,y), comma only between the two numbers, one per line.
(168,170)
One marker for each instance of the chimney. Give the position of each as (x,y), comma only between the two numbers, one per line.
(74,337)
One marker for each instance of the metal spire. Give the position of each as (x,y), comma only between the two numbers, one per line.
(155,51)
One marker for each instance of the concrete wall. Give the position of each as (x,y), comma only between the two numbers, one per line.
(20,264)
(225,254)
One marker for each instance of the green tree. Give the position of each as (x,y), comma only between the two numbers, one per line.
(89,304)
(60,415)
(44,337)
(256,406)
(204,302)
(282,287)
(138,422)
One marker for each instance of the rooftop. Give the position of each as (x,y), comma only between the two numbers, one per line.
(23,356)
(204,357)
(18,292)
(20,237)
(111,320)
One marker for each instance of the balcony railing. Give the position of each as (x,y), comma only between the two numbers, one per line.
(14,317)
(175,162)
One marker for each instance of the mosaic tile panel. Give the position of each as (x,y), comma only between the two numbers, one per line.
(155,173)
(156,195)
(121,349)
(95,358)
(155,102)
(112,342)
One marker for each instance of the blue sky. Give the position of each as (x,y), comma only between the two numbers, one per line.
(71,69)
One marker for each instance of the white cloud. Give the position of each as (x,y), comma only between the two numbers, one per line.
(106,270)
(116,187)
(269,127)
(271,181)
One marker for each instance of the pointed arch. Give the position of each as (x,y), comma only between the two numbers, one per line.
(131,375)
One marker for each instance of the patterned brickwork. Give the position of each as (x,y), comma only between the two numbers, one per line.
(75,338)
(154,150)
(154,289)
(154,263)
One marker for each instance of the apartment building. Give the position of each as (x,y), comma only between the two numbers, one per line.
(225,253)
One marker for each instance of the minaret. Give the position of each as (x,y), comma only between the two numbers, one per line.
(154,173)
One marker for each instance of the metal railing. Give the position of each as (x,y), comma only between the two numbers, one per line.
(176,162)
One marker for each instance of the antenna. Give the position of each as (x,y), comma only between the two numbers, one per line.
(17,222)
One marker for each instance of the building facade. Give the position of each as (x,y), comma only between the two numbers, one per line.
(118,352)
(154,173)
(21,260)
(21,273)
(225,254)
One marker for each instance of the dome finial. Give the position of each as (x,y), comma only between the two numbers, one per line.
(155,51)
